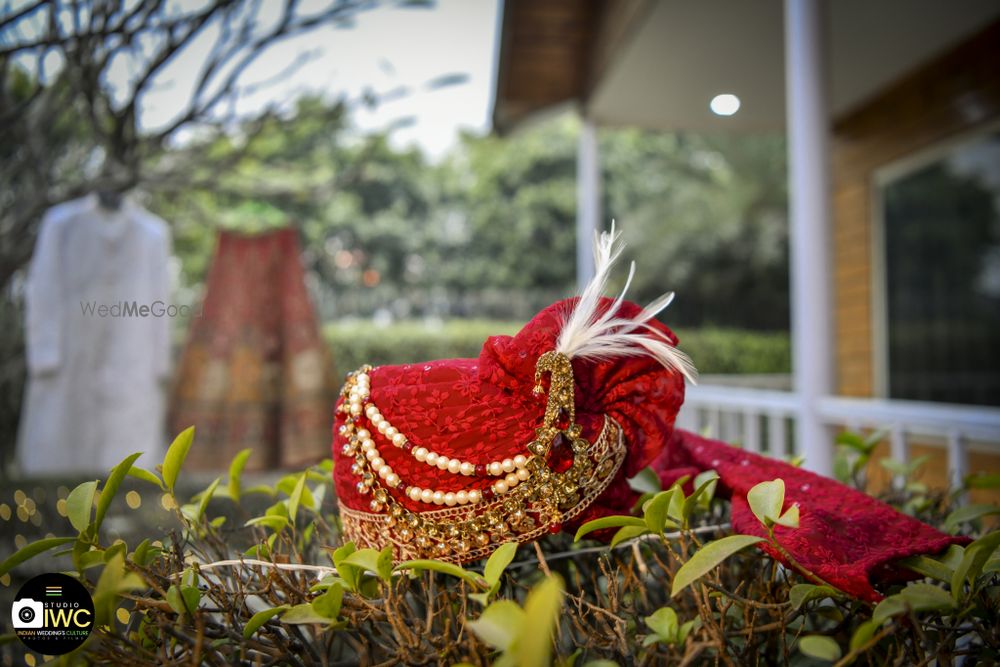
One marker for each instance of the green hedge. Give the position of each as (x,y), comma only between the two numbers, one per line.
(354,343)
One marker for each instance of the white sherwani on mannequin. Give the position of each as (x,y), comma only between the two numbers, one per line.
(95,382)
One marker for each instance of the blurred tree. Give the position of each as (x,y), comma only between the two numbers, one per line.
(71,121)
(360,205)
(705,216)
(490,232)
(512,206)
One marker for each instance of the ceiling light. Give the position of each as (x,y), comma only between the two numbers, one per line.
(724,105)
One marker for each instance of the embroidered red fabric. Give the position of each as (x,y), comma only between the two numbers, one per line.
(846,537)
(255,371)
(482,410)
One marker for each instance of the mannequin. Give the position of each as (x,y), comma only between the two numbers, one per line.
(96,367)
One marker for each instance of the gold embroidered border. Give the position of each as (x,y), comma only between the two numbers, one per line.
(369,529)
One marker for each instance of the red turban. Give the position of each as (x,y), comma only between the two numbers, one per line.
(451,458)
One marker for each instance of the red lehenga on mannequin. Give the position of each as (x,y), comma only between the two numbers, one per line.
(540,433)
(255,371)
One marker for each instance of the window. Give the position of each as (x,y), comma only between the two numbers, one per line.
(941,252)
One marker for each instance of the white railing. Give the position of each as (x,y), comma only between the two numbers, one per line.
(762,421)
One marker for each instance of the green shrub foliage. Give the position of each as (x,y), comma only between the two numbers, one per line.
(258,574)
(714,351)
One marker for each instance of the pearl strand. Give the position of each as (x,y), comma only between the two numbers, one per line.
(449,498)
(358,402)
(378,464)
(514,470)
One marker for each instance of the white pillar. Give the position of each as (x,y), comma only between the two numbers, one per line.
(588,201)
(810,242)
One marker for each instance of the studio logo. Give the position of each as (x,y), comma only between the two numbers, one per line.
(52,614)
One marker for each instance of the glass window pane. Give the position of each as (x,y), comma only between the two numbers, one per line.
(942,243)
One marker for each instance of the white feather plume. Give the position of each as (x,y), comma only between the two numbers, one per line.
(587,334)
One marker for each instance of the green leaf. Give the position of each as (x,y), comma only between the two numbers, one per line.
(790,519)
(444,568)
(975,557)
(952,557)
(875,437)
(854,441)
(498,562)
(663,622)
(376,562)
(295,497)
(889,607)
(279,508)
(263,489)
(91,559)
(342,552)
(79,504)
(863,634)
(483,598)
(916,597)
(685,630)
(288,484)
(708,557)
(704,491)
(176,454)
(145,475)
(114,581)
(260,618)
(608,522)
(646,481)
(656,510)
(499,624)
(110,487)
(541,616)
(675,509)
(205,497)
(236,474)
(303,613)
(820,647)
(927,597)
(275,523)
(802,593)
(903,469)
(29,551)
(968,513)
(183,599)
(766,500)
(117,549)
(640,502)
(349,573)
(189,577)
(145,553)
(928,567)
(328,604)
(627,533)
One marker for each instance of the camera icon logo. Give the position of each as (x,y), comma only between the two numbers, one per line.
(28,613)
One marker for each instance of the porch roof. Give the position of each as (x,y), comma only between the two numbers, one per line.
(658,63)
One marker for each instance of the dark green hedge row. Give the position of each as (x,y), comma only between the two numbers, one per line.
(714,351)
